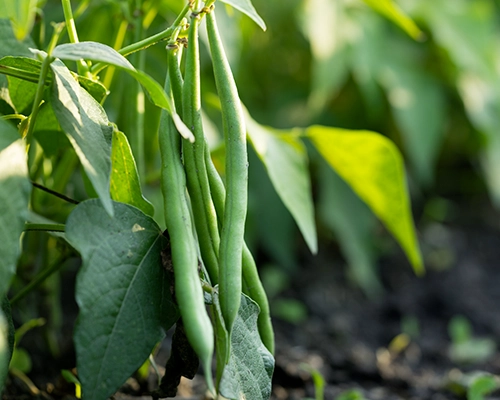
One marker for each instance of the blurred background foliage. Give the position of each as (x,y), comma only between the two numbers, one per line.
(338,63)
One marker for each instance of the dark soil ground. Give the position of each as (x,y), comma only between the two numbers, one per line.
(396,346)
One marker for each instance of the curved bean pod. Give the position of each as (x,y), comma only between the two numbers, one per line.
(188,291)
(233,226)
(194,157)
(252,283)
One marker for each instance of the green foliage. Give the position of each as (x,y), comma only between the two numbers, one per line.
(373,167)
(125,186)
(137,281)
(122,291)
(14,196)
(250,368)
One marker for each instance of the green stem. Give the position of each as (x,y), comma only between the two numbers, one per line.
(38,99)
(19,73)
(83,68)
(13,116)
(145,43)
(40,278)
(54,193)
(44,227)
(139,60)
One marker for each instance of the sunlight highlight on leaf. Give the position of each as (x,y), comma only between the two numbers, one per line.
(393,12)
(372,165)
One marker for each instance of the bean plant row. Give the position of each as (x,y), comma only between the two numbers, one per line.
(137,279)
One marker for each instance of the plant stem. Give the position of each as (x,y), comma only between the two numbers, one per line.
(13,116)
(19,73)
(38,99)
(139,60)
(145,43)
(83,68)
(44,227)
(54,193)
(44,274)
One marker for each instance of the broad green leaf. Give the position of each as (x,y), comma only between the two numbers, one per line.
(123,293)
(21,14)
(353,224)
(102,53)
(15,191)
(392,11)
(249,370)
(87,127)
(6,340)
(373,167)
(125,186)
(285,158)
(246,7)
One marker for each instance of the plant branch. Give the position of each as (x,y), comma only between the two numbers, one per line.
(150,41)
(54,193)
(44,227)
(37,280)
(38,99)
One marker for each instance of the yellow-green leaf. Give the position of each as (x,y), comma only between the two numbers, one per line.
(372,165)
(125,186)
(393,12)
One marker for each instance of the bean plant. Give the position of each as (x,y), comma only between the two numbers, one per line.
(144,270)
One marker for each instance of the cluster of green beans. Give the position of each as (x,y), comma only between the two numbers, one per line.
(195,194)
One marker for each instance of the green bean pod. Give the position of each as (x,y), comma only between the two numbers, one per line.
(233,226)
(188,290)
(194,157)
(252,283)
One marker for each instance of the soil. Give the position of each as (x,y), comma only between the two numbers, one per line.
(395,346)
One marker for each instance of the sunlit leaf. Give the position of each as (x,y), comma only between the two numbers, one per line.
(15,190)
(125,186)
(246,7)
(392,11)
(285,158)
(123,293)
(372,165)
(87,127)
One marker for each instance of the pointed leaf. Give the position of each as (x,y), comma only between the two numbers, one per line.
(125,186)
(246,7)
(91,51)
(15,191)
(87,127)
(285,158)
(392,11)
(250,368)
(372,165)
(122,291)
(102,53)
